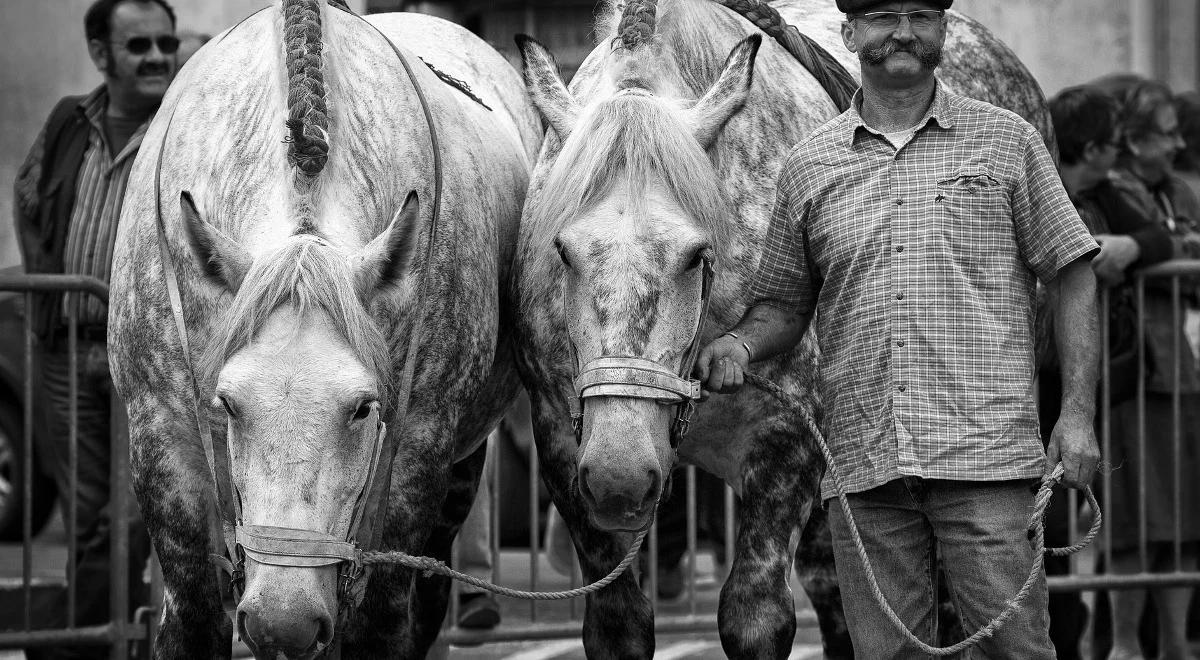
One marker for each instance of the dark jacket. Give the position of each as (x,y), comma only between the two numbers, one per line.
(45,197)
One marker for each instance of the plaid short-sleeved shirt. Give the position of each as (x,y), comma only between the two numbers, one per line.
(921,266)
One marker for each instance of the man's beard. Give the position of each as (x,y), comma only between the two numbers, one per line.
(929,55)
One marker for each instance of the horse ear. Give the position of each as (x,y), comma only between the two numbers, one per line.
(219,256)
(727,95)
(385,260)
(545,86)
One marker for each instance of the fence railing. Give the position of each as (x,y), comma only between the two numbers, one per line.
(119,630)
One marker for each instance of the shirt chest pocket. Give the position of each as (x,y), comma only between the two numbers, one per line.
(973,210)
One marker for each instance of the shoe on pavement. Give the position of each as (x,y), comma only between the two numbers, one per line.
(478,611)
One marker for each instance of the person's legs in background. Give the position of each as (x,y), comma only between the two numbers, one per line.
(93,513)
(478,609)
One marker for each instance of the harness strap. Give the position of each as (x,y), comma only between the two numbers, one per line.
(635,377)
(227,506)
(288,546)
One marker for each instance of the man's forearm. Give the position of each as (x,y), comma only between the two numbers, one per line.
(769,330)
(1073,296)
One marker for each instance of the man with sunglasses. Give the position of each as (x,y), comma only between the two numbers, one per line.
(69,194)
(917,223)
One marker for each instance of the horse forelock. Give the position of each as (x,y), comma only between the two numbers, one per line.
(311,275)
(631,140)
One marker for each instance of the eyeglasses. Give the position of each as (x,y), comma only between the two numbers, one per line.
(167,44)
(1172,134)
(921,19)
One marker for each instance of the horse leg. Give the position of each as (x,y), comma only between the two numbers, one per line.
(402,612)
(814,568)
(756,616)
(430,595)
(618,622)
(173,489)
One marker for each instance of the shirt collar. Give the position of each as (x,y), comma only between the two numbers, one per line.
(941,112)
(93,106)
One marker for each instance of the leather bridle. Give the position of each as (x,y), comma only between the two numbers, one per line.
(637,377)
(232,542)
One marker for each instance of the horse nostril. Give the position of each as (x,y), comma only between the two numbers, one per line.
(583,485)
(652,493)
(324,630)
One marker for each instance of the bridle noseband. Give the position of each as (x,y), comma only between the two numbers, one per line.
(637,377)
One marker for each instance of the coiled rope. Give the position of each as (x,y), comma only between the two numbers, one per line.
(1041,501)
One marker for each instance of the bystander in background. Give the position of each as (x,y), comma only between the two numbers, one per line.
(1145,179)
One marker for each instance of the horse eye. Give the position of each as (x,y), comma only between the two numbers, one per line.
(562,253)
(225,404)
(363,411)
(697,258)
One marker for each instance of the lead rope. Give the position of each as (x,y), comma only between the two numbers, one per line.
(430,566)
(1041,501)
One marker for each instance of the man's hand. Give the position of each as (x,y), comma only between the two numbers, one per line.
(721,364)
(1073,442)
(1117,252)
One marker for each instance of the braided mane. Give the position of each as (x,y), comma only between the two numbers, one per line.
(308,115)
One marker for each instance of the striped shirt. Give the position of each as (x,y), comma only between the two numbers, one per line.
(921,264)
(92,233)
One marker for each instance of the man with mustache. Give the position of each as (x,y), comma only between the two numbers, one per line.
(69,193)
(915,227)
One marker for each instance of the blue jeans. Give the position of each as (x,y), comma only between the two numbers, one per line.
(978,529)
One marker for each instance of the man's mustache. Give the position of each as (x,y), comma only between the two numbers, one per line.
(928,54)
(152,69)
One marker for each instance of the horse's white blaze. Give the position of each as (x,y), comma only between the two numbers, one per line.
(299,457)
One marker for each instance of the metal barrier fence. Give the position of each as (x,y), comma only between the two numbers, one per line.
(118,631)
(1174,273)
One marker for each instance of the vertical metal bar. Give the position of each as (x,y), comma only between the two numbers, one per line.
(493,456)
(730,529)
(1106,417)
(1177,317)
(27,469)
(690,471)
(72,503)
(652,563)
(451,619)
(534,516)
(120,506)
(1141,416)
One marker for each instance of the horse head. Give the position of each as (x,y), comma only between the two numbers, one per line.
(303,377)
(633,208)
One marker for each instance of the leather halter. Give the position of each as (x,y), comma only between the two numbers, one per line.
(233,542)
(640,378)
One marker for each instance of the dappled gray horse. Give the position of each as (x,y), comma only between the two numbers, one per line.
(332,273)
(648,205)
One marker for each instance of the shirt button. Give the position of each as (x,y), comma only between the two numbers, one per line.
(901,388)
(899,296)
(899,248)
(899,202)
(900,343)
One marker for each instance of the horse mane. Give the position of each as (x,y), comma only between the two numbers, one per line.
(631,138)
(308,112)
(308,274)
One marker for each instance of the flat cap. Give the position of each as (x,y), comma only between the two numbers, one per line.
(856,6)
